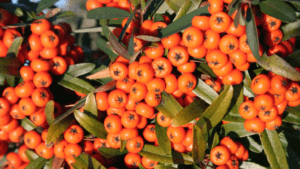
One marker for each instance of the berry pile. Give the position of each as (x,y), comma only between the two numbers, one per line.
(228,153)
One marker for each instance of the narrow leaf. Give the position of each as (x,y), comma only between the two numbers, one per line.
(199,144)
(80,69)
(290,30)
(57,162)
(49,112)
(236,130)
(251,165)
(107,13)
(101,44)
(76,84)
(131,46)
(293,59)
(111,152)
(216,111)
(168,106)
(85,161)
(254,146)
(162,138)
(182,23)
(90,106)
(273,149)
(162,166)
(279,66)
(90,124)
(118,47)
(123,145)
(278,9)
(55,130)
(52,13)
(27,124)
(148,38)
(188,6)
(108,86)
(123,32)
(37,163)
(156,153)
(189,113)
(43,4)
(293,116)
(100,75)
(15,47)
(31,155)
(252,36)
(205,92)
(175,4)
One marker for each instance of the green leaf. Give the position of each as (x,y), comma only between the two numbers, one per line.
(279,10)
(205,92)
(43,4)
(123,32)
(162,138)
(65,15)
(158,18)
(237,99)
(78,105)
(273,149)
(251,165)
(254,146)
(111,152)
(31,155)
(76,84)
(252,36)
(27,124)
(290,30)
(236,130)
(233,118)
(293,115)
(293,59)
(168,106)
(215,141)
(56,129)
(131,46)
(11,80)
(182,23)
(85,161)
(13,50)
(49,112)
(90,106)
(247,85)
(175,4)
(204,68)
(80,69)
(123,145)
(141,166)
(157,154)
(188,6)
(37,163)
(107,13)
(216,111)
(148,38)
(199,144)
(279,66)
(189,113)
(233,6)
(91,124)
(121,50)
(101,44)
(162,166)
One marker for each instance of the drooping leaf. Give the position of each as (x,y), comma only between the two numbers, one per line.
(273,149)
(90,106)
(55,130)
(91,124)
(279,66)
(188,6)
(49,112)
(80,69)
(121,50)
(182,23)
(111,152)
(76,84)
(162,138)
(205,92)
(13,50)
(290,30)
(43,4)
(101,44)
(157,154)
(27,124)
(278,9)
(123,32)
(199,144)
(107,13)
(189,113)
(85,161)
(216,111)
(252,36)
(31,155)
(148,38)
(37,163)
(236,130)
(168,106)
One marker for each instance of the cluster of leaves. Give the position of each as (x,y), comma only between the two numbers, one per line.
(275,149)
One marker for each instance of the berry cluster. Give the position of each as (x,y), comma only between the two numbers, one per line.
(228,153)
